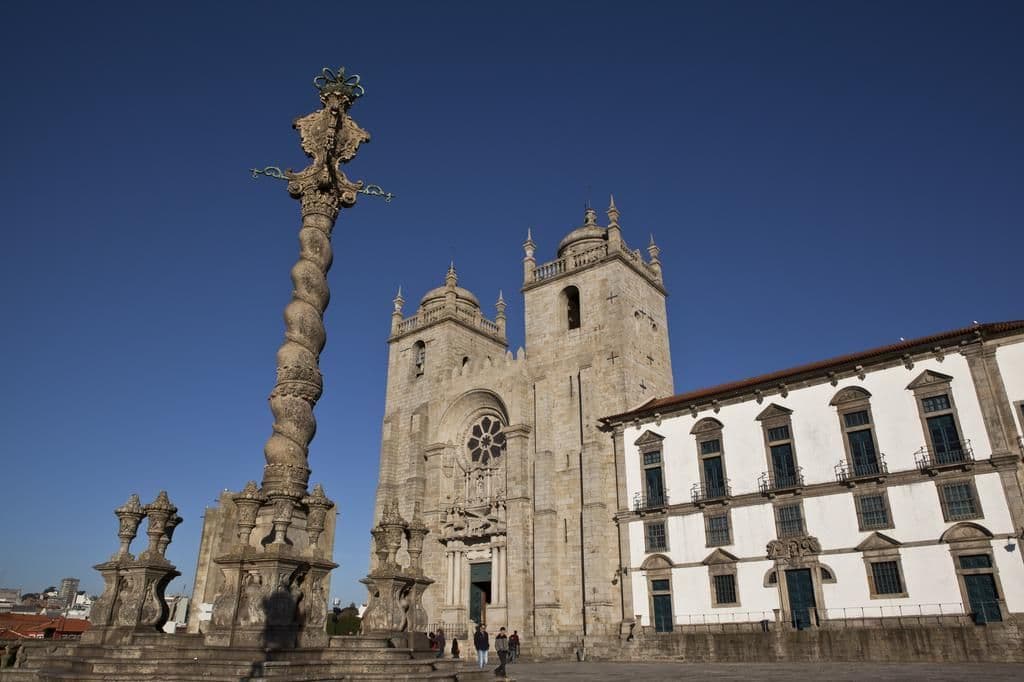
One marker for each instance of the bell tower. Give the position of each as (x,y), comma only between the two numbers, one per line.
(597,343)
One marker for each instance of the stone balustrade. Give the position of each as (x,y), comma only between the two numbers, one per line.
(429,316)
(560,266)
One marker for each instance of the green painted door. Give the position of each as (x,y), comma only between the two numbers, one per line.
(981,591)
(862,448)
(945,439)
(663,613)
(479,590)
(800,587)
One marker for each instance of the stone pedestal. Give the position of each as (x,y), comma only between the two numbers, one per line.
(274,578)
(395,602)
(273,599)
(133,594)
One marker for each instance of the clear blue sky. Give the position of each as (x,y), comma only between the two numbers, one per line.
(822,177)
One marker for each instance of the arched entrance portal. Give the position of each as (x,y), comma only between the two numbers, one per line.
(473,529)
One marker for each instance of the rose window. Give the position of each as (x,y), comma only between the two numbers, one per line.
(486,442)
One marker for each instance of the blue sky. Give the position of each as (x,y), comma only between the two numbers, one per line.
(821,177)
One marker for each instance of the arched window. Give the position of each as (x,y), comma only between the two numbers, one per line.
(419,350)
(572,306)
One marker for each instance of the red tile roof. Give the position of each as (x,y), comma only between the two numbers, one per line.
(802,372)
(25,626)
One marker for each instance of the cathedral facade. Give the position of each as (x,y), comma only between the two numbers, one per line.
(568,492)
(502,454)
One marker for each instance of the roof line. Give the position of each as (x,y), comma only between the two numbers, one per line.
(812,369)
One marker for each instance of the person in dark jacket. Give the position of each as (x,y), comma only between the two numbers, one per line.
(501,646)
(455,647)
(482,644)
(440,642)
(513,646)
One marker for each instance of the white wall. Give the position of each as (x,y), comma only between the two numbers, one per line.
(1011,365)
(915,508)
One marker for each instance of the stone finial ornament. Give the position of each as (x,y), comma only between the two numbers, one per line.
(129,516)
(318,505)
(248,502)
(416,531)
(613,212)
(158,513)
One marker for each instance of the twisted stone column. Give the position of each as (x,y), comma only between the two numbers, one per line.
(330,137)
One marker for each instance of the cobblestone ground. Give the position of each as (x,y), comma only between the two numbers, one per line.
(787,672)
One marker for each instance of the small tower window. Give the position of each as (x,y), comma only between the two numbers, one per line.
(572,306)
(419,357)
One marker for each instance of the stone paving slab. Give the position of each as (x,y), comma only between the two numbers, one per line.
(772,672)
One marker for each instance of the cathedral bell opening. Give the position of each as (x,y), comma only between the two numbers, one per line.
(479,591)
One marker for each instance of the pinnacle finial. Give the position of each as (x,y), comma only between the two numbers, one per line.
(451,278)
(589,216)
(501,297)
(652,239)
(613,212)
(529,234)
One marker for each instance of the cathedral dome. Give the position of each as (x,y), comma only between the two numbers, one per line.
(589,235)
(437,296)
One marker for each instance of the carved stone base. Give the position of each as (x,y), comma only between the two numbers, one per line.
(133,599)
(271,598)
(395,603)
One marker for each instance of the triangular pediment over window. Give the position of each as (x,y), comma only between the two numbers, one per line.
(929,378)
(774,410)
(648,438)
(719,556)
(877,541)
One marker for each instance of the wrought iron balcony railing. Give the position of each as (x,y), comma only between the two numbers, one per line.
(771,482)
(702,494)
(950,456)
(858,471)
(642,503)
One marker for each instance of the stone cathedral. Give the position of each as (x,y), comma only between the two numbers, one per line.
(500,453)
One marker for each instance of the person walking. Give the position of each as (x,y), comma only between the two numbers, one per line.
(513,647)
(501,646)
(439,641)
(482,643)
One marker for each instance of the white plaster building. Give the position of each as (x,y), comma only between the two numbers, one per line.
(883,483)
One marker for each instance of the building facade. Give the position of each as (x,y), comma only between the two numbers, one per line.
(502,455)
(882,484)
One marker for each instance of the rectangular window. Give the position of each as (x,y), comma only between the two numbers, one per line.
(710,447)
(783,465)
(725,589)
(958,501)
(976,561)
(716,529)
(659,586)
(789,520)
(887,577)
(854,419)
(935,403)
(652,458)
(872,512)
(655,537)
(778,433)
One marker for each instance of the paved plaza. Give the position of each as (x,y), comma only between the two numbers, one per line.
(782,672)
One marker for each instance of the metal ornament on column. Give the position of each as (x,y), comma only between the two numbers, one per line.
(275,578)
